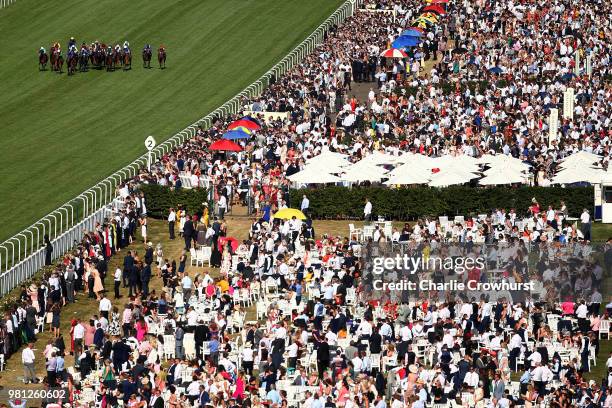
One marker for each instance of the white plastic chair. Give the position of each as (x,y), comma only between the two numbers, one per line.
(604,328)
(189,346)
(194,256)
(169,346)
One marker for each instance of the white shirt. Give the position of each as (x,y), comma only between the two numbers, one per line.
(582,311)
(117,276)
(585,217)
(172,216)
(222,203)
(368,208)
(105,305)
(27,356)
(79,331)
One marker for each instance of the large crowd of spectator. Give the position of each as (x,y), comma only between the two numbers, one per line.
(320,337)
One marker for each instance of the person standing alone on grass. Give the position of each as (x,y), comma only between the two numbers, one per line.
(585,224)
(27,358)
(304,207)
(367,210)
(171,222)
(188,232)
(222,205)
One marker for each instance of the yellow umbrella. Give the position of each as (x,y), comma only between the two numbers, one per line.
(418,23)
(288,213)
(433,16)
(426,19)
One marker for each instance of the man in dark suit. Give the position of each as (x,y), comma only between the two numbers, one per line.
(323,357)
(188,232)
(146,277)
(128,266)
(200,336)
(156,399)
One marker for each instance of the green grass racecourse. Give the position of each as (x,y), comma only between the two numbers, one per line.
(60,135)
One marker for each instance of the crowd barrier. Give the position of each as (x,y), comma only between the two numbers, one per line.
(23,254)
(6,3)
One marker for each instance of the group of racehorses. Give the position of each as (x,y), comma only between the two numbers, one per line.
(98,56)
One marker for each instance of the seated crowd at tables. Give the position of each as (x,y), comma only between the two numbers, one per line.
(320,338)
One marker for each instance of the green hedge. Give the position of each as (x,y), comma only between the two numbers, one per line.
(412,203)
(159,199)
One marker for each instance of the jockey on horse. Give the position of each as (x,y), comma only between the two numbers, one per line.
(42,59)
(71,43)
(147,52)
(126,57)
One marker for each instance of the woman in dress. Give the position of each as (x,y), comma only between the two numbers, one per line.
(32,292)
(226,264)
(143,228)
(114,328)
(55,320)
(215,257)
(182,261)
(98,286)
(141,329)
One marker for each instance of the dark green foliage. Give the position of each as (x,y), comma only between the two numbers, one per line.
(415,202)
(159,199)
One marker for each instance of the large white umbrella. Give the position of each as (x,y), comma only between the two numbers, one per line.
(313,177)
(451,178)
(414,158)
(406,178)
(582,157)
(502,161)
(329,157)
(494,178)
(361,171)
(579,175)
(378,157)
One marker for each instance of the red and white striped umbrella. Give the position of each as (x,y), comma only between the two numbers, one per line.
(394,53)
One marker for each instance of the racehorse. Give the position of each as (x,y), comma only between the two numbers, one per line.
(97,55)
(43,58)
(127,60)
(83,60)
(58,63)
(71,63)
(161,57)
(110,60)
(117,58)
(146,58)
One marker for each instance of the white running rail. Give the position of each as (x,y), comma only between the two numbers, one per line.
(6,3)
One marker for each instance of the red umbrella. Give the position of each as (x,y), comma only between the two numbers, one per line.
(393,53)
(244,123)
(436,8)
(224,240)
(225,145)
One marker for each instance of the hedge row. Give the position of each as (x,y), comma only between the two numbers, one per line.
(412,203)
(159,199)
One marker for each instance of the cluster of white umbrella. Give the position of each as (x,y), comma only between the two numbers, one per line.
(408,169)
(579,168)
